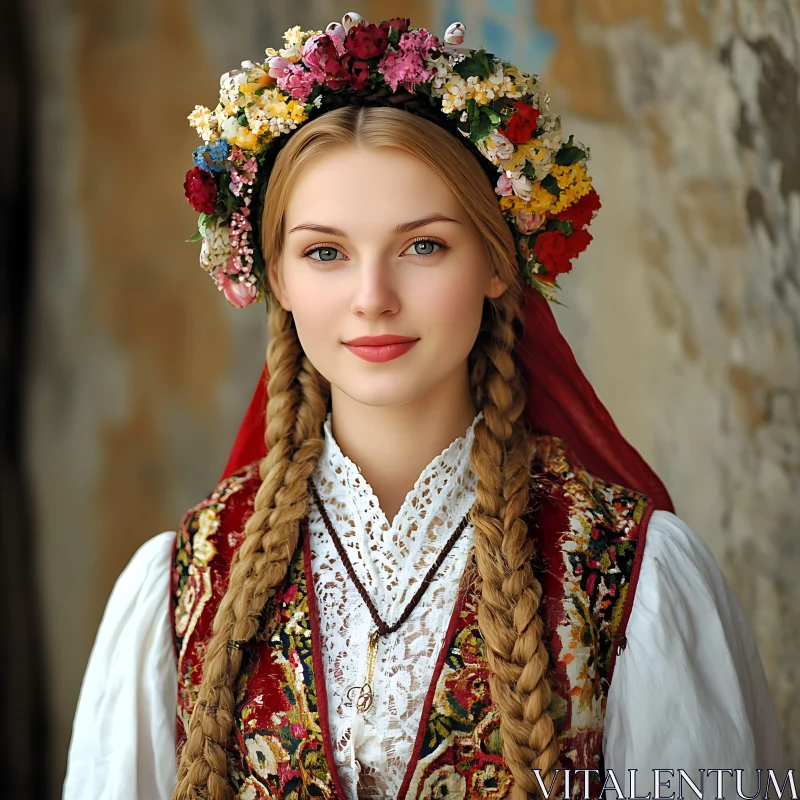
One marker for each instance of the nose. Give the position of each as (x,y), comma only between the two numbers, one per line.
(375,291)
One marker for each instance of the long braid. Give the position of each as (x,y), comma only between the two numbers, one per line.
(508,614)
(295,413)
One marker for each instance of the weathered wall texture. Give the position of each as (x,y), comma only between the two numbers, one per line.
(685,312)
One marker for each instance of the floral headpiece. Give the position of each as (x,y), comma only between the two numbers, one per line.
(544,190)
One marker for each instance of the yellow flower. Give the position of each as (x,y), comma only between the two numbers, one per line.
(297,110)
(533,151)
(574,184)
(541,201)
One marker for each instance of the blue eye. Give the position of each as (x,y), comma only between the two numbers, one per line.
(425,247)
(325,253)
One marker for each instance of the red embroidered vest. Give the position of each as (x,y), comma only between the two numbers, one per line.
(591,538)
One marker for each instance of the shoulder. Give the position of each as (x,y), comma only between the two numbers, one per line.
(679,573)
(610,509)
(223,509)
(691,662)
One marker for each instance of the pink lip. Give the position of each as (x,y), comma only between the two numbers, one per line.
(384,338)
(381,352)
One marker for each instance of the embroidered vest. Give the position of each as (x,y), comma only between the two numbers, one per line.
(590,535)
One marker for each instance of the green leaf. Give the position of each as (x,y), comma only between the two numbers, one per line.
(241,118)
(567,156)
(480,129)
(195,237)
(558,225)
(394,37)
(493,116)
(476,64)
(551,184)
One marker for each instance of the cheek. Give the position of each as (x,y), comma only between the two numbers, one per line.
(314,310)
(455,306)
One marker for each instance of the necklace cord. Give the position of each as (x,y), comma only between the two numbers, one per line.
(381,626)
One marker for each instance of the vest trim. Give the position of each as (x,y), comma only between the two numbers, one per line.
(429,695)
(622,631)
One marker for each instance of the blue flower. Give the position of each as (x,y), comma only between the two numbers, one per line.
(212,157)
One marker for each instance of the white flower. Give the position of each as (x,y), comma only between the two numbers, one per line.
(496,147)
(521,184)
(231,129)
(216,248)
(205,123)
(454,33)
(293,52)
(350,20)
(261,756)
(229,84)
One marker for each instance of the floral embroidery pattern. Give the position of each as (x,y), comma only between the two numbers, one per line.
(588,535)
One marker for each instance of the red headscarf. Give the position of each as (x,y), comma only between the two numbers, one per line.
(561,402)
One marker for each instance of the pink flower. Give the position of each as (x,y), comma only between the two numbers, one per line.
(295,80)
(298,730)
(406,65)
(277,66)
(504,187)
(321,54)
(529,223)
(243,176)
(239,294)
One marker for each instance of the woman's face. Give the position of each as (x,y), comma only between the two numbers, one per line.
(376,243)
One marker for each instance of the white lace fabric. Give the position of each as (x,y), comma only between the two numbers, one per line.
(390,560)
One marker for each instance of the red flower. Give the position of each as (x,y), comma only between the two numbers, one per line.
(577,242)
(550,248)
(201,189)
(366,41)
(398,23)
(580,214)
(522,124)
(359,73)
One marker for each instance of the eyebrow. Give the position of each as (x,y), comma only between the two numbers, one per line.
(403,227)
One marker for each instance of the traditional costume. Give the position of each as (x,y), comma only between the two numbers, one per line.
(653,662)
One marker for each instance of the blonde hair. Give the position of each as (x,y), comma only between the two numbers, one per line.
(508,614)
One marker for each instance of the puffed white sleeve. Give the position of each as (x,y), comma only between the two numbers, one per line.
(123,735)
(689,690)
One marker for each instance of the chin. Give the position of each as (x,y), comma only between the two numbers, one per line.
(380,392)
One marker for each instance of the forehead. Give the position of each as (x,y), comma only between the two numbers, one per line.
(378,186)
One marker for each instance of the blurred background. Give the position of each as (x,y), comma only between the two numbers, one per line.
(125,374)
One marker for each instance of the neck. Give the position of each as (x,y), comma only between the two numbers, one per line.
(392,445)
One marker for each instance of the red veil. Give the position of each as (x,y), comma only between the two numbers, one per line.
(561,403)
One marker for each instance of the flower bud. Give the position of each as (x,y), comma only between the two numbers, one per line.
(454,33)
(350,20)
(336,29)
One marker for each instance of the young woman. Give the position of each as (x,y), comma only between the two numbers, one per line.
(432,549)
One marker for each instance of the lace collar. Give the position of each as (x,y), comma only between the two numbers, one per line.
(441,495)
(447,475)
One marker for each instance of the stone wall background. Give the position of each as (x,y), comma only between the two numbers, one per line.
(685,312)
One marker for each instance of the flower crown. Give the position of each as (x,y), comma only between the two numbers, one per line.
(544,190)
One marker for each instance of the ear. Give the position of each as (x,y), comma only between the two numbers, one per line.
(277,286)
(496,287)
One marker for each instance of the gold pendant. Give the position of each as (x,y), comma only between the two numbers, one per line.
(365,694)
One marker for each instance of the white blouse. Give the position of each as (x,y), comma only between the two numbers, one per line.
(688,692)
